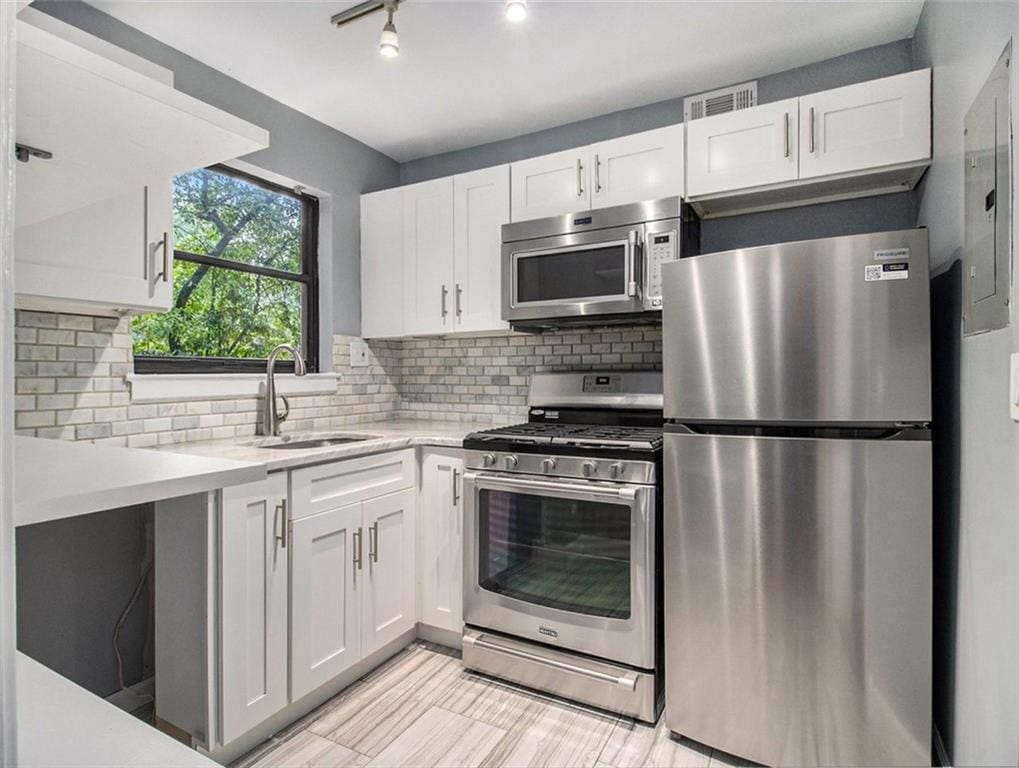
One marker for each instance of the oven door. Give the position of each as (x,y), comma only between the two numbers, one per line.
(587,273)
(565,563)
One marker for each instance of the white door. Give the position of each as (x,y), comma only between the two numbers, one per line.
(551,185)
(382,264)
(253,610)
(480,207)
(867,125)
(440,534)
(106,256)
(388,602)
(746,148)
(643,166)
(428,256)
(325,612)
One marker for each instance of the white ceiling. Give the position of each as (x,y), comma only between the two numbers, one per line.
(466,75)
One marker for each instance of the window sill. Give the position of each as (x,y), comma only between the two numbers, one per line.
(156,387)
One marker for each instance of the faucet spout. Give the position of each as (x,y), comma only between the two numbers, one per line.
(270,419)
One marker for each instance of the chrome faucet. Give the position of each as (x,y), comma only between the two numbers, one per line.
(269,420)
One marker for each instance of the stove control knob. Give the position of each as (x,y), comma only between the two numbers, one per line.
(547,465)
(616,471)
(589,468)
(510,462)
(488,459)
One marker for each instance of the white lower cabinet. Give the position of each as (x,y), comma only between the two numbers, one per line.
(253,604)
(325,596)
(388,604)
(440,538)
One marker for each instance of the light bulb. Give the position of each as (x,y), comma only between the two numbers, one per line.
(389,43)
(516,10)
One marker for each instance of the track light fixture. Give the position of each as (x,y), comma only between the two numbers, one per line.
(516,10)
(389,43)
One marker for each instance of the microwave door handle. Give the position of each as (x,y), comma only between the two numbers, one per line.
(631,263)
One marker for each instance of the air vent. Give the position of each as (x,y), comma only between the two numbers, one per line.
(723,100)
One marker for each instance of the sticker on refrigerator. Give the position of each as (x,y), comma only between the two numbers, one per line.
(874,272)
(891,254)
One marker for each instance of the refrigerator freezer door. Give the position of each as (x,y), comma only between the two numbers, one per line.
(820,331)
(798,598)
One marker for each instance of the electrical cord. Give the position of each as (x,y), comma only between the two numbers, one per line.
(123,618)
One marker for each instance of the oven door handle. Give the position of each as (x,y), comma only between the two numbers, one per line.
(588,490)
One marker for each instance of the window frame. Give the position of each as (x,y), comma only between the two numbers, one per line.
(308,278)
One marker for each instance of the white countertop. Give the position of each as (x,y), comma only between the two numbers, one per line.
(57,478)
(388,435)
(62,724)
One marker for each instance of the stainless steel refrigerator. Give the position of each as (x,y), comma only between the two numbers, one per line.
(798,501)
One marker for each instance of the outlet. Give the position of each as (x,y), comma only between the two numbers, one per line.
(358,354)
(1013,387)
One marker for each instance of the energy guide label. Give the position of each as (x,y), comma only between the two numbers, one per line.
(874,272)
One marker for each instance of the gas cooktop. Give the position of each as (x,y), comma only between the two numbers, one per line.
(549,436)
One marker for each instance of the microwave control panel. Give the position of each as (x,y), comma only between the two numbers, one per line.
(660,248)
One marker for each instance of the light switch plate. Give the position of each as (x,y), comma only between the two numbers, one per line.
(358,354)
(1013,387)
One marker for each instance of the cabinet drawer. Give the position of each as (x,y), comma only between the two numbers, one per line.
(328,486)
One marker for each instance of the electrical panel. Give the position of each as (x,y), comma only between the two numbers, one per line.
(987,239)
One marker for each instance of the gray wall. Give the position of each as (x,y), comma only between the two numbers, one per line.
(896,211)
(977,514)
(300,148)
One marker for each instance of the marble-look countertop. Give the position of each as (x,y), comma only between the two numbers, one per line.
(390,435)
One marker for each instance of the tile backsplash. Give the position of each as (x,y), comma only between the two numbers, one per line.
(70,381)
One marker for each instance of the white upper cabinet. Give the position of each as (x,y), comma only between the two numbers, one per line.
(110,128)
(440,535)
(867,125)
(551,185)
(644,166)
(480,207)
(325,610)
(746,148)
(253,616)
(382,281)
(389,600)
(428,257)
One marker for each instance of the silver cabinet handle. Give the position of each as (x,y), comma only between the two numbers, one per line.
(166,257)
(580,177)
(786,134)
(597,174)
(357,548)
(373,542)
(459,295)
(281,510)
(445,291)
(810,129)
(456,495)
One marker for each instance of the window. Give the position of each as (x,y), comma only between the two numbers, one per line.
(245,277)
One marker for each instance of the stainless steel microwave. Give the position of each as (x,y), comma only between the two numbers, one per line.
(594,267)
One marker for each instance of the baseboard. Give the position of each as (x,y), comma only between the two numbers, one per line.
(940,753)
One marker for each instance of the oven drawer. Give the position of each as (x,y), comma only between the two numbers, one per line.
(565,563)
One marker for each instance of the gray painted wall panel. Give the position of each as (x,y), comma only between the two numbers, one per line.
(300,148)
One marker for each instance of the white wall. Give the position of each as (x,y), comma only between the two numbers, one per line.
(977,690)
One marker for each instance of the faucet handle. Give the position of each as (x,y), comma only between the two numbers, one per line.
(280,418)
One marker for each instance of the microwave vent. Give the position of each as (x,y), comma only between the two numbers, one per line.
(723,100)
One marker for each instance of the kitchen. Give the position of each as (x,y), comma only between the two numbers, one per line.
(516,424)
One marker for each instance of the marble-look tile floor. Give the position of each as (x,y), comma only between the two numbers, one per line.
(422,709)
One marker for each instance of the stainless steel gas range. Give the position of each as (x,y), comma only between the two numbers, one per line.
(562,563)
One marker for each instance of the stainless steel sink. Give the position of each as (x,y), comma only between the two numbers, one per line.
(299,442)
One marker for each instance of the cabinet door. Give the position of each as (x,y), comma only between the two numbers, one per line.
(644,166)
(325,571)
(253,611)
(480,208)
(106,256)
(867,125)
(551,185)
(428,256)
(382,264)
(746,148)
(440,526)
(388,603)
